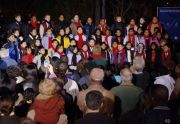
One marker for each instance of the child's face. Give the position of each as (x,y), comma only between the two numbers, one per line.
(67,30)
(76,18)
(73,42)
(146,33)
(75,50)
(91,43)
(55,43)
(128,46)
(24,45)
(61,32)
(159,35)
(18,18)
(80,31)
(48,18)
(103,46)
(37,43)
(61,49)
(131,32)
(142,20)
(139,31)
(34,32)
(153,46)
(115,44)
(132,22)
(33,18)
(98,32)
(120,47)
(103,22)
(154,20)
(85,48)
(49,32)
(140,46)
(118,33)
(118,19)
(16,33)
(42,51)
(61,18)
(89,20)
(29,51)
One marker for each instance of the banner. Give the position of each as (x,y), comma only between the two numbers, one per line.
(170,18)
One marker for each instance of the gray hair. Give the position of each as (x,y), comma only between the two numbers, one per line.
(138,64)
(126,75)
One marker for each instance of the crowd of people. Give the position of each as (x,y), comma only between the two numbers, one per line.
(70,72)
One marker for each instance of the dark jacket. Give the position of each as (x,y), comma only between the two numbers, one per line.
(9,120)
(95,118)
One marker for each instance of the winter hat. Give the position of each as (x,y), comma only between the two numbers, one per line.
(4,53)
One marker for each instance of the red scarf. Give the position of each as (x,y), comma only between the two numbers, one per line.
(96,56)
(77,24)
(54,48)
(49,42)
(103,28)
(122,57)
(80,41)
(115,52)
(34,24)
(86,55)
(153,56)
(119,39)
(60,53)
(131,38)
(106,39)
(131,26)
(146,38)
(164,57)
(23,48)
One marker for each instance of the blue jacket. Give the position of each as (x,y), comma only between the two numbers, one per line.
(89,30)
(6,62)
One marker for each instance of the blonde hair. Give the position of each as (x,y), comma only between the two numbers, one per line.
(47,87)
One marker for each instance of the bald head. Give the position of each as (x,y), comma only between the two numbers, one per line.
(126,75)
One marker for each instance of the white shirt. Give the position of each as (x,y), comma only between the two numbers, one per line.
(167,81)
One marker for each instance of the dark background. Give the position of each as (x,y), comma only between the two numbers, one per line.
(127,8)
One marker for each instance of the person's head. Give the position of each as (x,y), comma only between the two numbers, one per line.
(162,42)
(103,46)
(128,45)
(61,17)
(41,50)
(141,20)
(17,17)
(91,42)
(89,20)
(138,64)
(163,70)
(166,48)
(153,46)
(98,32)
(139,31)
(16,32)
(146,32)
(126,75)
(118,18)
(29,95)
(96,76)
(11,38)
(54,43)
(131,31)
(114,44)
(85,47)
(67,30)
(159,95)
(30,69)
(47,17)
(29,50)
(49,32)
(61,32)
(76,18)
(33,18)
(72,42)
(94,100)
(118,32)
(140,47)
(132,22)
(166,36)
(33,32)
(120,46)
(79,30)
(47,87)
(6,104)
(60,48)
(96,50)
(23,44)
(154,19)
(108,32)
(103,21)
(37,43)
(158,35)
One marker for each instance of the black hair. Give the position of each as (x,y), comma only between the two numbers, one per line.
(160,94)
(94,100)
